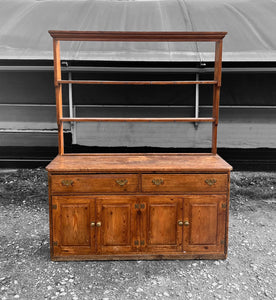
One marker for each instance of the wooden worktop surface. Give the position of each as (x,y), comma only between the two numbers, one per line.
(139,163)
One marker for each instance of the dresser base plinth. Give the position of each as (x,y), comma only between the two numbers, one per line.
(102,257)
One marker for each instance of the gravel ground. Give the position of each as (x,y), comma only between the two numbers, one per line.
(26,271)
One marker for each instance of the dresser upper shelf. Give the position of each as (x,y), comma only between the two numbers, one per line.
(165,162)
(136,36)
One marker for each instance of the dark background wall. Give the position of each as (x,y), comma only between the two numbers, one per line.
(28,117)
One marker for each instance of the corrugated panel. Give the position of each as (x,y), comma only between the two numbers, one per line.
(239,127)
(29,117)
(250,25)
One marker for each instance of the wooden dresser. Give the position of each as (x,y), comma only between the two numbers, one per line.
(138,206)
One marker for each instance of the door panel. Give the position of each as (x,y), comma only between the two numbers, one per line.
(72,233)
(204,217)
(160,223)
(160,220)
(118,227)
(204,221)
(75,224)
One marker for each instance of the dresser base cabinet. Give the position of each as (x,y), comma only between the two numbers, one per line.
(125,207)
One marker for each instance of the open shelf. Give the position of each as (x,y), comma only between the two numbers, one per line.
(137,119)
(135,82)
(134,36)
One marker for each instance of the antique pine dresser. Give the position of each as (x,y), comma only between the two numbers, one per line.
(138,206)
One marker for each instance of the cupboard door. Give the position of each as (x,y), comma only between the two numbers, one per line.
(160,229)
(204,223)
(72,230)
(116,224)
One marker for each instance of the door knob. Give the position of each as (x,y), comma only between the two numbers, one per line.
(99,224)
(186,223)
(92,224)
(180,223)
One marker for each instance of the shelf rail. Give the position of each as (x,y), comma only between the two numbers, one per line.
(135,82)
(137,36)
(137,119)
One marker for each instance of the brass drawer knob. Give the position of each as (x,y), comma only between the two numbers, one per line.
(121,182)
(66,182)
(158,181)
(210,182)
(180,223)
(186,223)
(92,224)
(99,224)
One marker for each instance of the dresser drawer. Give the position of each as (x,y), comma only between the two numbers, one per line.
(184,182)
(100,183)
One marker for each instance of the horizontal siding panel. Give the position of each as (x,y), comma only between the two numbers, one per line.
(17,117)
(27,87)
(143,134)
(28,139)
(247,135)
(19,87)
(239,135)
(238,128)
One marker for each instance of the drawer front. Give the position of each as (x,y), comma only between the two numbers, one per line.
(184,183)
(100,183)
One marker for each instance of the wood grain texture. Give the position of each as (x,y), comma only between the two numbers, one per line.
(71,231)
(204,223)
(136,36)
(161,229)
(137,224)
(206,216)
(194,163)
(51,221)
(118,227)
(100,183)
(143,256)
(216,94)
(164,36)
(184,183)
(137,119)
(151,221)
(58,91)
(140,82)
